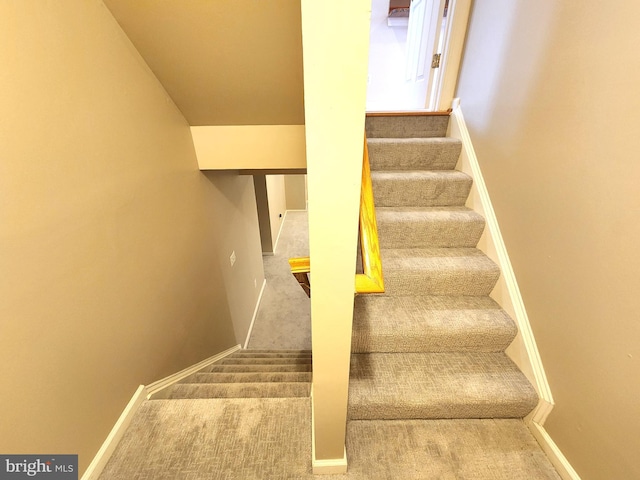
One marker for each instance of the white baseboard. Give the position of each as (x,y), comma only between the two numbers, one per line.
(155,387)
(255,313)
(556,457)
(331,466)
(523,351)
(102,457)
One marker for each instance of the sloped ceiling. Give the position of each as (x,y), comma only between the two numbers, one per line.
(224,62)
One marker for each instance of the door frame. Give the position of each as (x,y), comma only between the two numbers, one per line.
(441,97)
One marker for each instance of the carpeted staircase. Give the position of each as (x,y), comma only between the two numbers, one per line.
(431,348)
(248,374)
(433,345)
(432,394)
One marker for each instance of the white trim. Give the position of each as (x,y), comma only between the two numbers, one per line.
(556,457)
(255,313)
(328,467)
(102,457)
(454,37)
(155,387)
(523,351)
(324,467)
(275,245)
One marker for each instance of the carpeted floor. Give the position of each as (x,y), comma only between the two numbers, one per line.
(270,439)
(284,315)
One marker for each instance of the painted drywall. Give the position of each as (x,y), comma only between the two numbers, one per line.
(548,92)
(295,187)
(223,63)
(235,215)
(250,147)
(335,75)
(112,242)
(277,205)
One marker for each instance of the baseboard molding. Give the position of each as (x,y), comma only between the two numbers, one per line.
(102,457)
(255,313)
(556,457)
(331,466)
(523,351)
(155,387)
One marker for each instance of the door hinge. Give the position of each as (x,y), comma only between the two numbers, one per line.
(435,62)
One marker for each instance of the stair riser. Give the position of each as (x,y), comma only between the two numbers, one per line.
(259,368)
(419,154)
(248,377)
(443,233)
(445,411)
(423,342)
(236,390)
(264,361)
(449,282)
(406,126)
(420,192)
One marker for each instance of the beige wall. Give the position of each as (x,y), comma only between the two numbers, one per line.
(223,62)
(250,147)
(549,91)
(112,243)
(296,191)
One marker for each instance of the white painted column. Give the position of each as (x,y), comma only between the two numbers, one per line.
(335,38)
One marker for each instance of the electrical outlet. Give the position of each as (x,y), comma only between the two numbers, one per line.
(232,258)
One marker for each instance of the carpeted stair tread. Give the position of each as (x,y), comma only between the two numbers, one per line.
(249,354)
(420,188)
(438,271)
(237,390)
(243,438)
(417,227)
(414,153)
(408,126)
(430,324)
(259,368)
(246,377)
(264,361)
(271,351)
(482,449)
(437,385)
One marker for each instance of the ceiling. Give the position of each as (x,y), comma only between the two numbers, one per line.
(234,62)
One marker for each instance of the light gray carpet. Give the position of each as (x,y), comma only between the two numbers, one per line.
(248,374)
(284,316)
(423,227)
(407,127)
(259,439)
(430,324)
(388,386)
(420,188)
(414,153)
